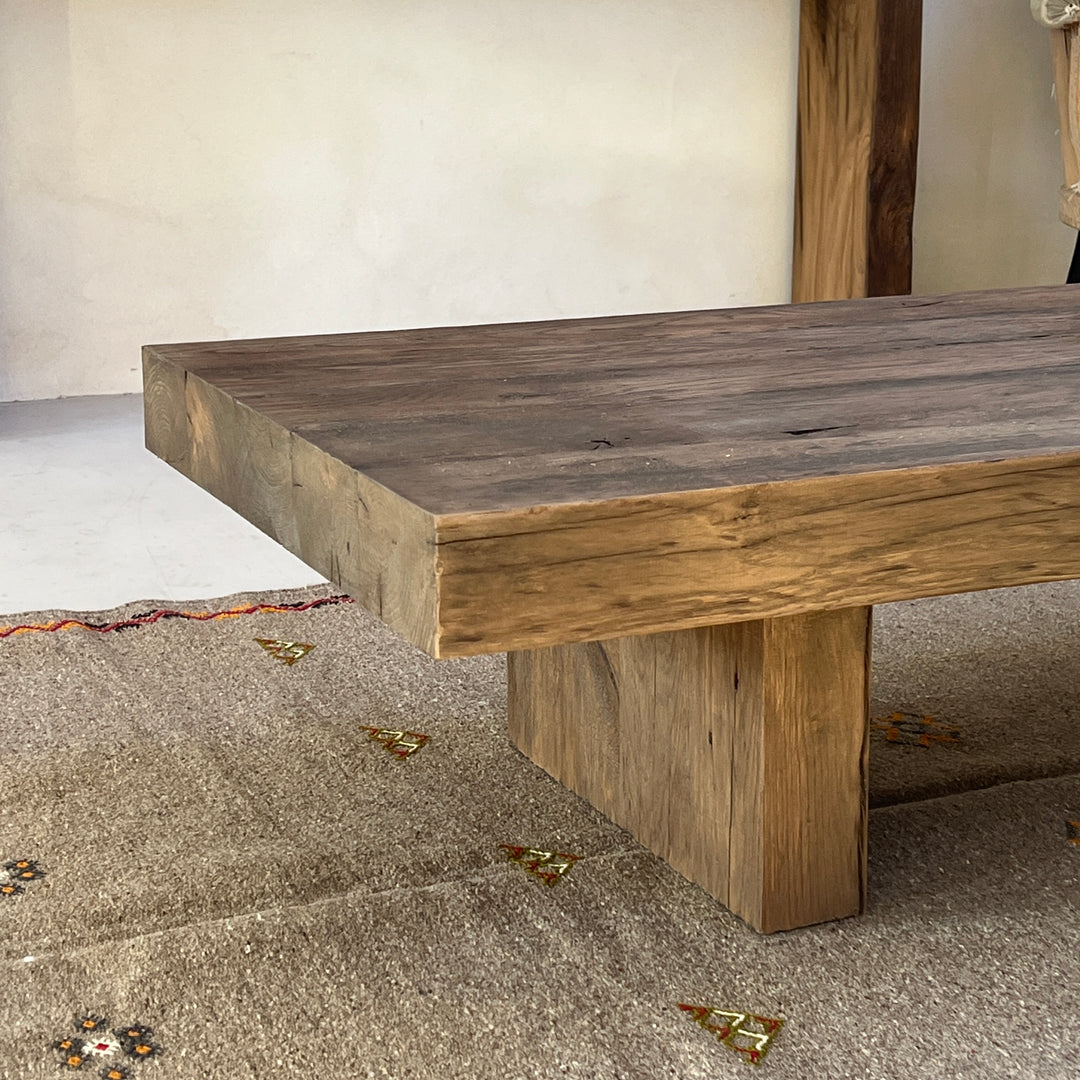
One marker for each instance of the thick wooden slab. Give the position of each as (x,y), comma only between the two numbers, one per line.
(737,753)
(378,547)
(569,481)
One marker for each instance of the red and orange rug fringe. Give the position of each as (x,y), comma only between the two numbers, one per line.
(151,617)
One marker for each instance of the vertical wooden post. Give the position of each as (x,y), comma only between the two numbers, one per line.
(858,127)
(737,753)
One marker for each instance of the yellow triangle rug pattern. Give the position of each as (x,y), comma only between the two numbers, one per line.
(745,1033)
(548,866)
(1072,831)
(288,652)
(401,743)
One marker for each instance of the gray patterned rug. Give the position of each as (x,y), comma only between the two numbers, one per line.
(229,859)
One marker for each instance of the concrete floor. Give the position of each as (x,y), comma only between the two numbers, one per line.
(90,519)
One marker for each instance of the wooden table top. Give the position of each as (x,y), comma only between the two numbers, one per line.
(478,418)
(488,431)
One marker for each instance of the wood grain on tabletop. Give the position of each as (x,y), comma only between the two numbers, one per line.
(640,473)
(470,419)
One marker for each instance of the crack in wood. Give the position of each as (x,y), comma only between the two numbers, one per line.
(799,432)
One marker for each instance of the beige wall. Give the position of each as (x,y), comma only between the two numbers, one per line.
(192,169)
(184,169)
(989,155)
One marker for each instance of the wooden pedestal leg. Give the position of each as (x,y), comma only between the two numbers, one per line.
(737,753)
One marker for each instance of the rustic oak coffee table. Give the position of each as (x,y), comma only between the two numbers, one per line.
(675,525)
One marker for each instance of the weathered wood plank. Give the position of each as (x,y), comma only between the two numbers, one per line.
(522,579)
(642,727)
(374,544)
(858,112)
(165,412)
(471,419)
(737,753)
(604,477)
(800,811)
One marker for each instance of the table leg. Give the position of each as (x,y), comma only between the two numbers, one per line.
(737,753)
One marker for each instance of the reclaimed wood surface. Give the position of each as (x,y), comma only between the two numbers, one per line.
(568,481)
(858,126)
(378,547)
(737,753)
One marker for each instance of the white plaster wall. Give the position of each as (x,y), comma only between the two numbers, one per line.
(989,155)
(194,169)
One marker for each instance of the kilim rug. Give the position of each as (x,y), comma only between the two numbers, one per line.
(260,836)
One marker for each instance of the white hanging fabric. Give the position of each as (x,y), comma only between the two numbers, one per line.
(1056,13)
